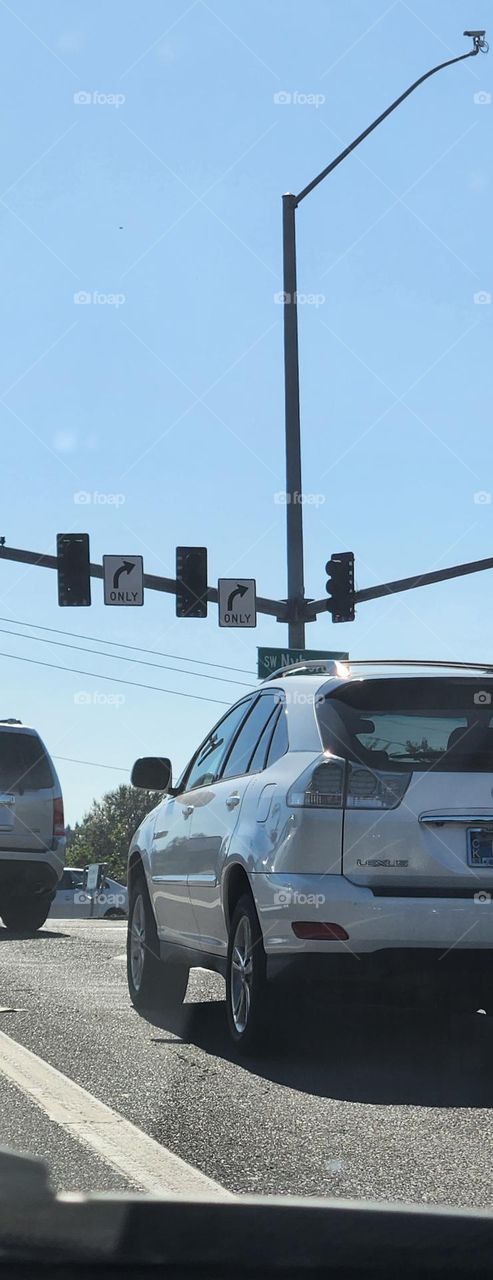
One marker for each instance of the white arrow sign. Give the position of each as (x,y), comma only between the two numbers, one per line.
(123,580)
(237,602)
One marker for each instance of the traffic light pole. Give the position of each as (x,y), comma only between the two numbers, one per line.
(300,610)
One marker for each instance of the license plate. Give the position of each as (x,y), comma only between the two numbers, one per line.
(480,846)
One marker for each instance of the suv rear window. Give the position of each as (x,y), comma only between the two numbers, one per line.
(415,723)
(24,765)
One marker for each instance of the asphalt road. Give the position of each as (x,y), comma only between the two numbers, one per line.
(377,1104)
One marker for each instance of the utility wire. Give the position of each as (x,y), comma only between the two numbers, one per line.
(98,675)
(136,648)
(95,764)
(120,657)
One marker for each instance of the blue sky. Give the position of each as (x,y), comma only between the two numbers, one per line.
(161,400)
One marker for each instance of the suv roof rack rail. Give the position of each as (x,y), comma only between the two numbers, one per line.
(312,666)
(486,667)
(9,720)
(342,668)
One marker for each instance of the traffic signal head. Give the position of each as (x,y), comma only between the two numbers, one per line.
(191,578)
(340,586)
(74,579)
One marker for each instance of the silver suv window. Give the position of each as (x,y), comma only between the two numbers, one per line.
(417,724)
(279,741)
(259,758)
(24,765)
(207,762)
(245,744)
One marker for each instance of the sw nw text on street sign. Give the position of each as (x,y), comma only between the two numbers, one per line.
(269,660)
(123,580)
(237,602)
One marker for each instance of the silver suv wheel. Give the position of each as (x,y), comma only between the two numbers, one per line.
(137,941)
(247,998)
(241,975)
(153,983)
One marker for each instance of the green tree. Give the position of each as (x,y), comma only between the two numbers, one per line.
(105,832)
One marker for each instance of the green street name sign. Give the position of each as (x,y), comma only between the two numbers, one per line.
(270,660)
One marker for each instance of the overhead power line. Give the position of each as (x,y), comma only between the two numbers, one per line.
(120,657)
(99,675)
(135,648)
(95,764)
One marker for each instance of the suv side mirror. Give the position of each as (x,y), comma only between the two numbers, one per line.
(153,773)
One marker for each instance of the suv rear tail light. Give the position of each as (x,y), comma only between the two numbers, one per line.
(321,931)
(375,788)
(58,818)
(321,786)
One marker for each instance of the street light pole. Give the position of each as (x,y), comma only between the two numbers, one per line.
(296,604)
(294,510)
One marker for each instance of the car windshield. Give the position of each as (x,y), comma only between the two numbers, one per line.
(411,724)
(246,619)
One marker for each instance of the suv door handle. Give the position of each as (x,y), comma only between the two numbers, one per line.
(187,810)
(232,800)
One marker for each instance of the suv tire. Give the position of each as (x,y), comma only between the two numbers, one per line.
(24,915)
(247,1004)
(153,983)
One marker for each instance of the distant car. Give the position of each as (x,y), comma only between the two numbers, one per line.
(111,900)
(72,901)
(32,829)
(334,826)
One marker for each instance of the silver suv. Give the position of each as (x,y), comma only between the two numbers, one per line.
(331,826)
(32,830)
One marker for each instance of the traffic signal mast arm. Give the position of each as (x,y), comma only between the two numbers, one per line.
(403,584)
(152,582)
(274,608)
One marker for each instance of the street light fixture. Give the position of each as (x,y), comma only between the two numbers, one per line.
(480,44)
(297,604)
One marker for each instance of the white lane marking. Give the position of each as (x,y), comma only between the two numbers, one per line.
(117,1141)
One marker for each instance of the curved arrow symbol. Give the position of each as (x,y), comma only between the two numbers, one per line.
(126,567)
(237,591)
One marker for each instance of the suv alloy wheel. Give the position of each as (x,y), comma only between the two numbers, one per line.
(153,983)
(246,983)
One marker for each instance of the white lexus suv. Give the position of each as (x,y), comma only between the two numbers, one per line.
(333,826)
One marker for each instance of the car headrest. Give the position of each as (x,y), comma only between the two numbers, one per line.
(471,740)
(458,737)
